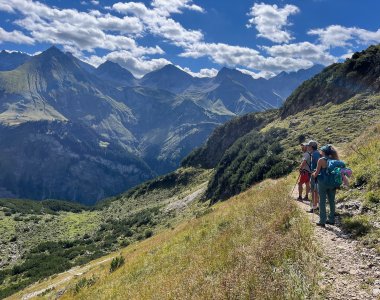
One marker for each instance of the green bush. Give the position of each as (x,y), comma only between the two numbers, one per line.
(116,263)
(84,282)
(124,243)
(373,197)
(148,233)
(357,225)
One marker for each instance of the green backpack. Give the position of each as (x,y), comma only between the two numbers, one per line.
(333,175)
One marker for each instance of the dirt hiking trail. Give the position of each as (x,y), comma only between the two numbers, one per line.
(350,271)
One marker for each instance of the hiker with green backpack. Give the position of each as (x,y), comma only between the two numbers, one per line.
(328,174)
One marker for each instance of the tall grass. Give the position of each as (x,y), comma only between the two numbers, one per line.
(363,157)
(255,245)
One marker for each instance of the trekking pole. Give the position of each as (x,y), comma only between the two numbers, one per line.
(296,184)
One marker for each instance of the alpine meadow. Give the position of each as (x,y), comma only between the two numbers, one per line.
(184,149)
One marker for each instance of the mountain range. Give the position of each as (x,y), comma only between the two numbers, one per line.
(72,131)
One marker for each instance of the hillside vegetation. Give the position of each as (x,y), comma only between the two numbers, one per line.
(43,238)
(254,245)
(360,204)
(338,82)
(272,151)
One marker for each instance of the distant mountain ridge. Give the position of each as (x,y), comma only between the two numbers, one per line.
(151,122)
(11,60)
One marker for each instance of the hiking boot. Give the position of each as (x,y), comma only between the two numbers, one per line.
(313,210)
(320,224)
(305,199)
(330,223)
(299,199)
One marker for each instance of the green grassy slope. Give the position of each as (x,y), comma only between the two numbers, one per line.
(37,242)
(360,205)
(253,245)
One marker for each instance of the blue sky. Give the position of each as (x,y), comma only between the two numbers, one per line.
(260,38)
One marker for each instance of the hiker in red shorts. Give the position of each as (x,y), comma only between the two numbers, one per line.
(305,172)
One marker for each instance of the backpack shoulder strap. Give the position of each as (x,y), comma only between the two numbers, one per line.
(309,165)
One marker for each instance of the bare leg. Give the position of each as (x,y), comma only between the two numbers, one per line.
(315,198)
(307,189)
(300,189)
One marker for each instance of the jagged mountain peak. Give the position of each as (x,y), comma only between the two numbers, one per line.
(226,70)
(109,64)
(52,57)
(113,72)
(168,70)
(52,51)
(169,77)
(226,73)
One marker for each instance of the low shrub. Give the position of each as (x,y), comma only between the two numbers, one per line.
(116,263)
(357,225)
(373,197)
(148,233)
(84,282)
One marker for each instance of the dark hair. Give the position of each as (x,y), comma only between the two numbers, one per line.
(330,151)
(333,153)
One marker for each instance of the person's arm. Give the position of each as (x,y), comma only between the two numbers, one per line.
(303,164)
(319,166)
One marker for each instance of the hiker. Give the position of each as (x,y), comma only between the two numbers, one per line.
(312,148)
(325,190)
(305,172)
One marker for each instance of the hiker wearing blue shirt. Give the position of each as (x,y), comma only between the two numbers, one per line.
(312,148)
(324,189)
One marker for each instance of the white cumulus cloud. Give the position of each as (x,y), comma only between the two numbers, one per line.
(139,66)
(304,50)
(158,22)
(202,72)
(255,75)
(237,56)
(270,20)
(70,27)
(340,36)
(14,36)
